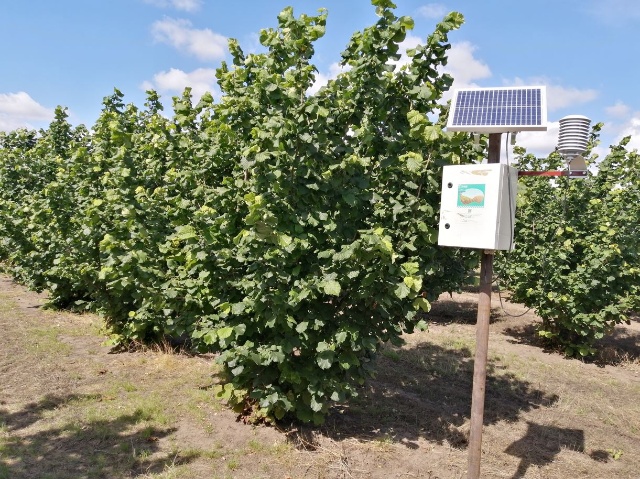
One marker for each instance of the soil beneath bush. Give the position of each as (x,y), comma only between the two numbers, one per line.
(70,407)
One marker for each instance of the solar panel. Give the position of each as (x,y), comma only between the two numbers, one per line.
(498,110)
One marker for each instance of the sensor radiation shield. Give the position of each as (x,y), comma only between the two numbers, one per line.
(573,136)
(478,205)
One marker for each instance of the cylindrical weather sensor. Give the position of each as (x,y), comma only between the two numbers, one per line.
(573,136)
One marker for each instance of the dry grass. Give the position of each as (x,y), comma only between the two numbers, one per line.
(70,408)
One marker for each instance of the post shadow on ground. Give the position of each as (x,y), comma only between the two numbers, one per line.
(425,392)
(541,444)
(115,447)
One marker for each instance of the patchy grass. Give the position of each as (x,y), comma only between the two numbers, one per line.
(45,341)
(70,408)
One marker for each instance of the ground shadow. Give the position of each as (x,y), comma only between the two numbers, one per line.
(117,447)
(621,345)
(447,311)
(525,334)
(425,392)
(541,444)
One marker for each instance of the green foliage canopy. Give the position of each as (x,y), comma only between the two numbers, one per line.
(292,233)
(577,243)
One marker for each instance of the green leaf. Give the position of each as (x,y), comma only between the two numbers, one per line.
(316,405)
(284,240)
(422,325)
(414,283)
(238,308)
(411,268)
(432,133)
(224,333)
(185,232)
(406,22)
(423,304)
(279,413)
(413,161)
(341,337)
(331,287)
(210,337)
(325,359)
(402,290)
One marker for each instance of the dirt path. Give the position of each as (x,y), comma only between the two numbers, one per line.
(70,408)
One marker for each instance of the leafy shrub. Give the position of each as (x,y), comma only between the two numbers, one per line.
(576,257)
(291,232)
(337,250)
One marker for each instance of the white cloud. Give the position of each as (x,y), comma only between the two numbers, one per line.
(175,81)
(203,44)
(619,110)
(323,78)
(251,44)
(408,43)
(335,69)
(464,67)
(631,128)
(559,97)
(614,12)
(433,10)
(22,105)
(19,109)
(462,64)
(626,123)
(540,143)
(185,5)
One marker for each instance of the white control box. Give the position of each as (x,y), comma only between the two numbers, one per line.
(478,206)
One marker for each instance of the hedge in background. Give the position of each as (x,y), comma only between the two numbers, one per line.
(577,243)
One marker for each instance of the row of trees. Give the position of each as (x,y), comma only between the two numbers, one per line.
(294,233)
(576,260)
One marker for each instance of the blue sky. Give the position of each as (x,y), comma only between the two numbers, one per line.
(74,52)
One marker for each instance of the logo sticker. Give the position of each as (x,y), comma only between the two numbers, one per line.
(471,196)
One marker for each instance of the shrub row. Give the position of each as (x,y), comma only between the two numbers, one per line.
(292,233)
(576,259)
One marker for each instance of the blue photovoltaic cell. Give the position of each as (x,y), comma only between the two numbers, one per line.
(498,107)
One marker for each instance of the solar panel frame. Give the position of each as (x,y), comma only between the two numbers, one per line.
(498,110)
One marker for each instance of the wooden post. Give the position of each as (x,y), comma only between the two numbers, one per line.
(482,342)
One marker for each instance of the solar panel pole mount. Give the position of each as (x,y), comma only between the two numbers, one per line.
(491,111)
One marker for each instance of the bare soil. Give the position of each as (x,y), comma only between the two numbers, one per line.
(72,408)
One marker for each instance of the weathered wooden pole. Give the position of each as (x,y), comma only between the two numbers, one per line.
(482,342)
